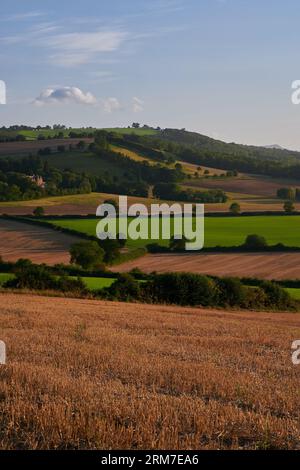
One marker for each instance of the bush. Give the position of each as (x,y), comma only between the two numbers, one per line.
(125,288)
(255,242)
(30,276)
(231,291)
(289,207)
(255,298)
(39,211)
(276,295)
(235,208)
(181,289)
(88,254)
(77,286)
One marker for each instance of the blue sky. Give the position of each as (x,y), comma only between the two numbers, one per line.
(220,67)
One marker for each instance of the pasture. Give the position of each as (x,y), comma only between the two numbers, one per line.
(219,231)
(34,134)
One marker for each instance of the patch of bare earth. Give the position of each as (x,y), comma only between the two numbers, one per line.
(98,375)
(39,244)
(263,265)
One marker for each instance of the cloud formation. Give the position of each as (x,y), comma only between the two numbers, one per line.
(79,48)
(65,94)
(111,104)
(138,105)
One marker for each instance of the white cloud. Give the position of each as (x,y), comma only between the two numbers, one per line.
(22,16)
(111,104)
(138,105)
(65,95)
(79,48)
(69,49)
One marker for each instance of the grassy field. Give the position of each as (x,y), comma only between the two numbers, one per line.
(104,375)
(294,293)
(33,135)
(222,231)
(126,130)
(5,277)
(96,283)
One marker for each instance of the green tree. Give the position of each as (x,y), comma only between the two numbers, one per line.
(235,208)
(88,255)
(288,207)
(39,211)
(255,242)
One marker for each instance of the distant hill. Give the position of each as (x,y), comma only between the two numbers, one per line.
(203,142)
(274,146)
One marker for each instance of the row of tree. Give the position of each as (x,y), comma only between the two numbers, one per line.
(171,288)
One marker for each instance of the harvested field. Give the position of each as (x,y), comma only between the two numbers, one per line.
(33,146)
(262,265)
(254,185)
(99,375)
(85,204)
(40,244)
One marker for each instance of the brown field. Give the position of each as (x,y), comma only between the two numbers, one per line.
(40,244)
(84,374)
(261,186)
(33,146)
(83,204)
(262,265)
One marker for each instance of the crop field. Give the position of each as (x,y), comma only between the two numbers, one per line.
(260,265)
(220,231)
(261,186)
(40,244)
(106,375)
(77,204)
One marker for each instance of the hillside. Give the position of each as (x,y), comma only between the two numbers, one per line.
(208,143)
(169,164)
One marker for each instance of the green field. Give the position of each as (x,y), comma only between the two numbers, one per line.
(294,293)
(5,277)
(33,135)
(96,283)
(219,231)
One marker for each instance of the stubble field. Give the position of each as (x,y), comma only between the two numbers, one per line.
(276,265)
(99,375)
